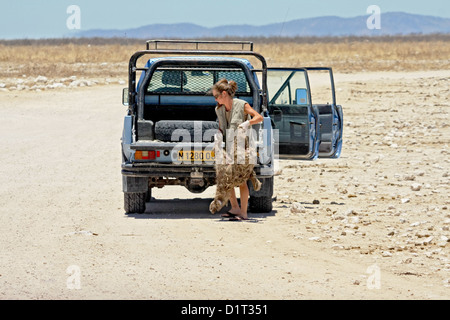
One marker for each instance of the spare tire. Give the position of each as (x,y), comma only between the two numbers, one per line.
(185,131)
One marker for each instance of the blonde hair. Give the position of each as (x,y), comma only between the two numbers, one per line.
(224,85)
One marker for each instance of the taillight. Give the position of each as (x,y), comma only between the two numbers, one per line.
(146,155)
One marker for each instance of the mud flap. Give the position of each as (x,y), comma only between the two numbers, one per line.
(134,184)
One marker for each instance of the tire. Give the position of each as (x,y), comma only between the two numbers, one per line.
(260,204)
(134,202)
(164,129)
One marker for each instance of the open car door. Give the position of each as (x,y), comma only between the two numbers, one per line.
(306,129)
(292,113)
(323,97)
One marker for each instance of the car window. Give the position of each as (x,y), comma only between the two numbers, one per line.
(194,82)
(287,87)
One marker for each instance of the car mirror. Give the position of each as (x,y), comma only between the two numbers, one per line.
(301,96)
(125,97)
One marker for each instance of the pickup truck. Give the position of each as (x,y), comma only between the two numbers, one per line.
(170,123)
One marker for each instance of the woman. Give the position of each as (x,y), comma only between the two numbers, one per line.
(233,114)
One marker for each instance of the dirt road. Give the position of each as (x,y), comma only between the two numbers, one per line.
(379,231)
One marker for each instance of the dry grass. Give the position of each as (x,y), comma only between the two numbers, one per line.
(362,56)
(65,60)
(109,57)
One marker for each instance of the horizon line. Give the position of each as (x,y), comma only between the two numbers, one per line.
(78,33)
(254,25)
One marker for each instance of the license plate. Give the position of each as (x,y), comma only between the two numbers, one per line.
(195,156)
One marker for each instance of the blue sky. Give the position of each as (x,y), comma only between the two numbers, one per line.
(47,18)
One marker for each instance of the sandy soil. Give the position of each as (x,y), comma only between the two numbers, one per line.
(379,231)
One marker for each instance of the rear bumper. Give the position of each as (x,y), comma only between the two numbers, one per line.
(157,170)
(139,177)
(165,170)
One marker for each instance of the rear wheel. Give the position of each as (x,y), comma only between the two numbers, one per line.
(261,201)
(260,204)
(134,202)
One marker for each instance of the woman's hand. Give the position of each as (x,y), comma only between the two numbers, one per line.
(245,125)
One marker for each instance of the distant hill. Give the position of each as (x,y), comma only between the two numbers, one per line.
(392,23)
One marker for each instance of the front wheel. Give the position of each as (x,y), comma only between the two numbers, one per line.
(134,202)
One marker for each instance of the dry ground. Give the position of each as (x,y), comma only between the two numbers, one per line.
(383,213)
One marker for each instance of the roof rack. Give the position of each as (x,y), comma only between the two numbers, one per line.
(132,69)
(199,42)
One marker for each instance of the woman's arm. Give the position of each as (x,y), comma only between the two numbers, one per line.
(256,117)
